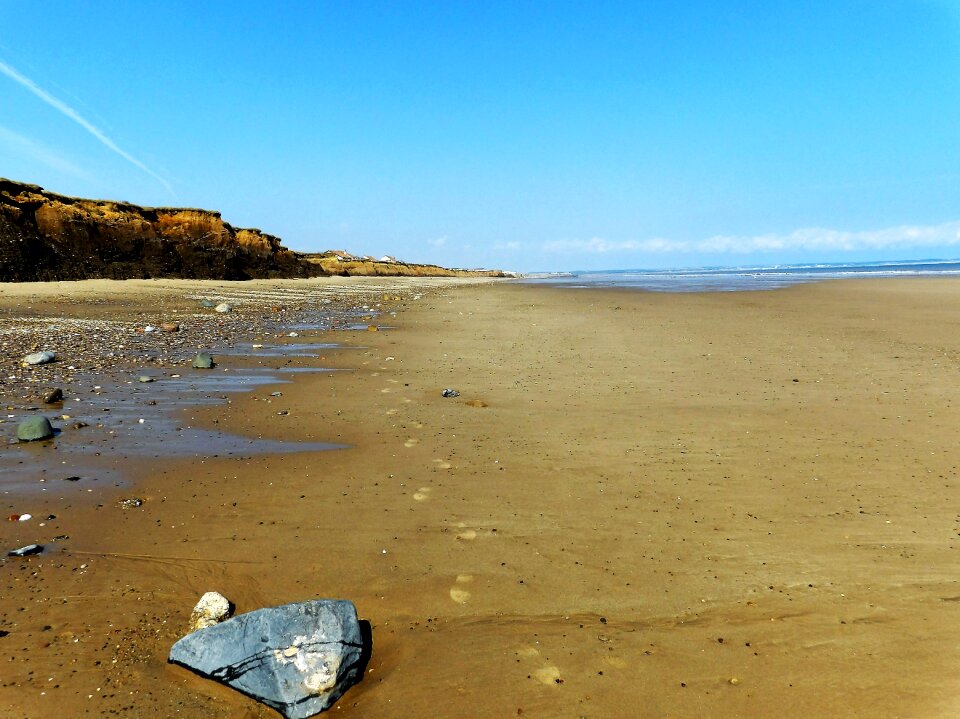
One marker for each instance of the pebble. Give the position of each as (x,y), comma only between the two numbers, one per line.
(26,551)
(450,393)
(52,396)
(144,379)
(38,358)
(223,308)
(170,327)
(34,428)
(131,503)
(203,360)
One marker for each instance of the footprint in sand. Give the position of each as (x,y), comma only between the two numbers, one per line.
(442,464)
(422,494)
(465,534)
(412,442)
(457,593)
(549,675)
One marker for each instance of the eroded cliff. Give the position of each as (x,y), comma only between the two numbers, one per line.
(45,236)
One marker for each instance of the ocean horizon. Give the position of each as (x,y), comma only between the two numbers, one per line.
(743,278)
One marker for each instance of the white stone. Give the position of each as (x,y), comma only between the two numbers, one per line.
(223,307)
(212,609)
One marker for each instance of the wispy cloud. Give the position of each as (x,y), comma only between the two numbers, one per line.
(18,144)
(811,238)
(438,242)
(65,109)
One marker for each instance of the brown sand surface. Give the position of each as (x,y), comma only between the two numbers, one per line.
(641,505)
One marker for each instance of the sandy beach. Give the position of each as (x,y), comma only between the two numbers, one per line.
(640,505)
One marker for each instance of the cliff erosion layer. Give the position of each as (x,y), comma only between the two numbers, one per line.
(45,236)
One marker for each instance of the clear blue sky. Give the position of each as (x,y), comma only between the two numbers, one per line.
(525,135)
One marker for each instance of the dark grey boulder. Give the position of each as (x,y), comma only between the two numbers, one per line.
(298,658)
(203,360)
(34,428)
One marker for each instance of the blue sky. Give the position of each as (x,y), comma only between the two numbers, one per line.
(524,135)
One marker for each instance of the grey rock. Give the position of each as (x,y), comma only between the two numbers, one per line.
(223,307)
(39,358)
(144,379)
(26,551)
(207,303)
(298,658)
(450,393)
(34,428)
(203,360)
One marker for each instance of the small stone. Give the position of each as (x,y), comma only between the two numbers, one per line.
(203,360)
(39,358)
(26,551)
(144,379)
(450,393)
(170,327)
(372,328)
(52,396)
(223,307)
(131,503)
(34,428)
(149,328)
(207,303)
(212,609)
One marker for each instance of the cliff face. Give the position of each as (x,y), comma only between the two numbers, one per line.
(331,263)
(44,236)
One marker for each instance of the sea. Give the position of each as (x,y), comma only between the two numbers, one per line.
(738,279)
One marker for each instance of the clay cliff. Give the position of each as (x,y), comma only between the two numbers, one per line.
(45,236)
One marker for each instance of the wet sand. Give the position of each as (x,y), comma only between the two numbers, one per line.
(728,505)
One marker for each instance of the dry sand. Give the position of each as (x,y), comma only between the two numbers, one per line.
(641,505)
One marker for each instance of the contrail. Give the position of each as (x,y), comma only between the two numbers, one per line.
(77,118)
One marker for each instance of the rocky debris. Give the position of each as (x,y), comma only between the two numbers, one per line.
(34,428)
(26,551)
(212,608)
(37,358)
(131,503)
(298,658)
(203,360)
(449,393)
(52,396)
(223,308)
